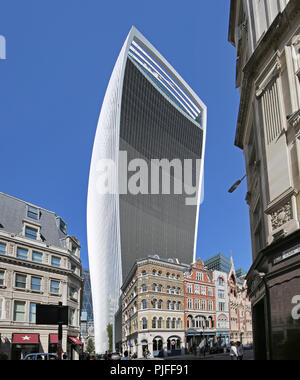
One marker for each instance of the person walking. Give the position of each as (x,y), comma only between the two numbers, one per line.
(125,357)
(240,351)
(233,351)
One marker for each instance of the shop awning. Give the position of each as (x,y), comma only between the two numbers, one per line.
(53,338)
(75,340)
(25,338)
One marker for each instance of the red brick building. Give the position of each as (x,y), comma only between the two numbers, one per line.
(199,306)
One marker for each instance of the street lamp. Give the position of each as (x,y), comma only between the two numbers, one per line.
(236,185)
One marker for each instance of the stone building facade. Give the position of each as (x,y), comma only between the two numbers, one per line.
(199,306)
(266,35)
(153,308)
(240,315)
(222,308)
(39,263)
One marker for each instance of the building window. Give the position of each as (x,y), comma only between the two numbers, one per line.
(190,288)
(160,323)
(55,261)
(1,278)
(144,323)
(71,317)
(62,226)
(221,294)
(210,305)
(33,212)
(54,287)
(36,284)
(168,324)
(220,281)
(197,304)
(37,257)
(203,305)
(144,273)
(20,281)
(31,233)
(32,313)
(144,288)
(221,306)
(199,276)
(197,289)
(2,249)
(73,292)
(19,311)
(154,323)
(22,253)
(190,303)
(159,304)
(144,304)
(210,292)
(203,291)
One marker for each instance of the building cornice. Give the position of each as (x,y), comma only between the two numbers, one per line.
(268,43)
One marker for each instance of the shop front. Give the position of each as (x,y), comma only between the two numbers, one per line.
(274,290)
(24,344)
(74,348)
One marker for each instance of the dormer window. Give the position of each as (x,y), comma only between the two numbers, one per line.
(33,212)
(31,233)
(62,226)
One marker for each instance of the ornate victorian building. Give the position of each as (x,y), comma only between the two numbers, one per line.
(266,35)
(199,306)
(39,264)
(153,308)
(240,317)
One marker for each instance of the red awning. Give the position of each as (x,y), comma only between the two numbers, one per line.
(26,338)
(75,340)
(53,338)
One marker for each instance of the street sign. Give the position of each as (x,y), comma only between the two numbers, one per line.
(51,314)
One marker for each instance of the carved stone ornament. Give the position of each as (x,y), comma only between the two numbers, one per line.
(282,216)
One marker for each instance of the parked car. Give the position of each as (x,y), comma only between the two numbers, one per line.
(41,356)
(115,356)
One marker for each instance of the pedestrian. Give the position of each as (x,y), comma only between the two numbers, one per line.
(240,351)
(233,351)
(125,357)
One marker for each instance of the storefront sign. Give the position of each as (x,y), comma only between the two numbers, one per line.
(287,254)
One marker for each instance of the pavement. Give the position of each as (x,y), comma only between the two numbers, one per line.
(248,355)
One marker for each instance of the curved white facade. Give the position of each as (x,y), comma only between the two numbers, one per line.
(106,258)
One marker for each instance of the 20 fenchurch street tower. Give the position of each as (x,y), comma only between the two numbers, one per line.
(149,115)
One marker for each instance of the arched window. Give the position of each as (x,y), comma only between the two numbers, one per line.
(159,304)
(179,323)
(144,323)
(144,288)
(154,323)
(160,323)
(159,288)
(154,287)
(154,272)
(174,323)
(144,304)
(154,304)
(144,273)
(169,305)
(168,324)
(178,306)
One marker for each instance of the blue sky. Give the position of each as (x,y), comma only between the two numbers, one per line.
(60,55)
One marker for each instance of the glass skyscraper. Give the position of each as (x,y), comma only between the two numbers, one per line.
(150,113)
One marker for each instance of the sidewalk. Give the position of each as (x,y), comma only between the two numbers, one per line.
(248,355)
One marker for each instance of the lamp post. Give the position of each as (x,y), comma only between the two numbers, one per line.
(236,184)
